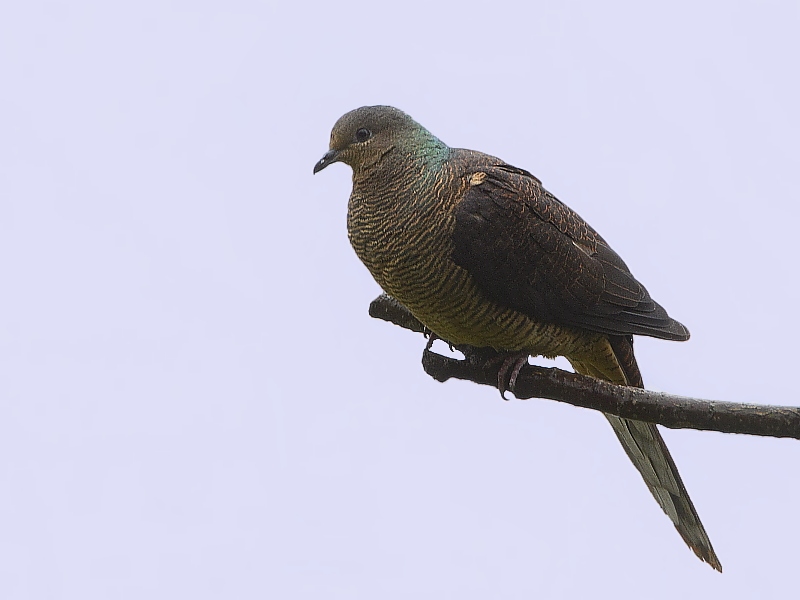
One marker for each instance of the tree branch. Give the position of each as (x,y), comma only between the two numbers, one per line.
(676,412)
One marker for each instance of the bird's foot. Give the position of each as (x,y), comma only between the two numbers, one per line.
(432,337)
(512,363)
(508,365)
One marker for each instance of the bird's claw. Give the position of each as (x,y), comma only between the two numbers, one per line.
(432,337)
(514,364)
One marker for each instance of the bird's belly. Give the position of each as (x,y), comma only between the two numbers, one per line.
(445,298)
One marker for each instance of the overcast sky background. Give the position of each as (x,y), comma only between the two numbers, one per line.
(194,402)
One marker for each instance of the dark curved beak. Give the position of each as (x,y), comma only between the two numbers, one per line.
(330,157)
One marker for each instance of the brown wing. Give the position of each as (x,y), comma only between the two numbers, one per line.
(528,251)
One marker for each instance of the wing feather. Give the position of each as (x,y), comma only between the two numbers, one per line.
(529,251)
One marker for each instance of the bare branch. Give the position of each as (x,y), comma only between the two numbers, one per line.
(676,412)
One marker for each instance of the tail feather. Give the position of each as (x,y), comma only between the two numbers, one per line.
(647,451)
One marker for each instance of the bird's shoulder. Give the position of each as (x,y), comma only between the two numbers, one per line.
(494,189)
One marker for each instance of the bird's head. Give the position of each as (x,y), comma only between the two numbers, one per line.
(363,137)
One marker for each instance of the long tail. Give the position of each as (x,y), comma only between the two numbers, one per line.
(646,448)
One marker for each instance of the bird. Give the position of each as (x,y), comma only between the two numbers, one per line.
(484,256)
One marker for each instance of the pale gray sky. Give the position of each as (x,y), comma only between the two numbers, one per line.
(193,400)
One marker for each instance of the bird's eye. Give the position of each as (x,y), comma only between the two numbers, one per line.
(362,135)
